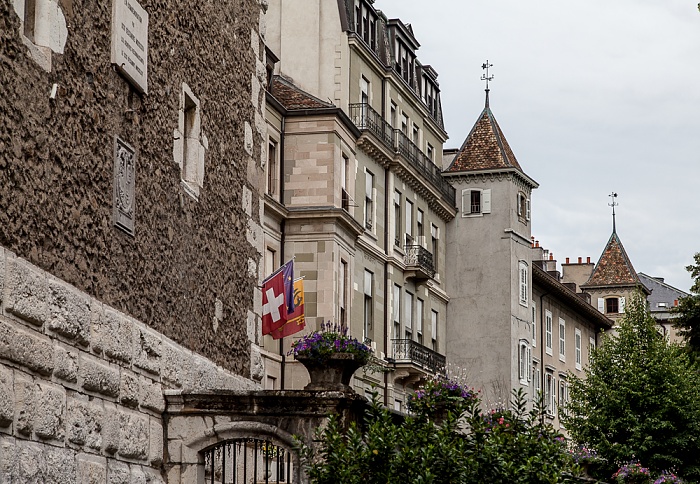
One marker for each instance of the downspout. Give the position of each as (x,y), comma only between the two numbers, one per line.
(386,282)
(543,330)
(282,237)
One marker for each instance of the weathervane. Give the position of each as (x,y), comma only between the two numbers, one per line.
(487,78)
(614,204)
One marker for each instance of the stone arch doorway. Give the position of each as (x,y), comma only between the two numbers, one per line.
(200,429)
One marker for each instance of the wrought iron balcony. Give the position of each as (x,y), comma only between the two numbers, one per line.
(367,119)
(420,260)
(414,353)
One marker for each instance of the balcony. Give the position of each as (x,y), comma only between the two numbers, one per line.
(419,260)
(414,361)
(394,140)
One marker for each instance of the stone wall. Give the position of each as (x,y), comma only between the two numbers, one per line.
(81,384)
(191,267)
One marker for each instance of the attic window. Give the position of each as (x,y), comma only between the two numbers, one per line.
(476,201)
(612,305)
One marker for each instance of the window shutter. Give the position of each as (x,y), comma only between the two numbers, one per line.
(466,202)
(527,210)
(486,201)
(368,283)
(529,364)
(601,305)
(622,304)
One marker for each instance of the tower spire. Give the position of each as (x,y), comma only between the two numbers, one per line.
(613,196)
(487,78)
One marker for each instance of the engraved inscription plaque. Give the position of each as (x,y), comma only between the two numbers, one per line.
(124,182)
(130,42)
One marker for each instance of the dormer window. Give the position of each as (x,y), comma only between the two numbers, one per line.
(366,24)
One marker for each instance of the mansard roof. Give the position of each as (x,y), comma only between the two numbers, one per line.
(292,97)
(486,148)
(614,268)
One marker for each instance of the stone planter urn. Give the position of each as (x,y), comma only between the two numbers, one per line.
(332,373)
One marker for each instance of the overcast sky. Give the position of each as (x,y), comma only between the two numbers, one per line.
(593,96)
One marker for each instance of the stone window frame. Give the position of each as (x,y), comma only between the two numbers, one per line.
(190,143)
(49,30)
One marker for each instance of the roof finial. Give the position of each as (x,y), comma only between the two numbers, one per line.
(487,78)
(614,204)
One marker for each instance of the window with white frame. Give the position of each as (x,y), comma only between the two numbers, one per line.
(538,380)
(577,345)
(408,315)
(476,201)
(550,396)
(364,90)
(397,218)
(419,223)
(272,170)
(548,332)
(611,305)
(419,320)
(342,293)
(409,222)
(563,396)
(430,152)
(524,283)
(368,305)
(369,199)
(270,261)
(534,326)
(434,235)
(562,339)
(396,309)
(393,112)
(591,347)
(433,328)
(524,362)
(523,207)
(190,143)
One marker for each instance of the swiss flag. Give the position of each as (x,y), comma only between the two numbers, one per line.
(277,298)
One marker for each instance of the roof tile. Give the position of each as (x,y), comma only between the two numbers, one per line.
(614,267)
(292,97)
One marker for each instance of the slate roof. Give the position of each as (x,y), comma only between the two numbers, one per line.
(292,97)
(614,268)
(660,293)
(485,148)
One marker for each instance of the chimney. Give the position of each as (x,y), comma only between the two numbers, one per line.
(579,260)
(537,243)
(675,302)
(551,256)
(567,260)
(588,260)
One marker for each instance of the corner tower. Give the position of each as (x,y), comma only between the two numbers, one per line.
(489,259)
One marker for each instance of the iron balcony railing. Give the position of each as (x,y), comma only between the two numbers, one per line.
(419,257)
(409,351)
(367,119)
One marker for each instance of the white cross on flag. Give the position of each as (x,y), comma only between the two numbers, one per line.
(278,298)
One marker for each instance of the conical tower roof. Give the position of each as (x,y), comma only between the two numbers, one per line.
(486,148)
(614,268)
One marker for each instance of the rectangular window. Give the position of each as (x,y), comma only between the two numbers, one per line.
(591,347)
(434,245)
(548,332)
(523,363)
(269,261)
(369,199)
(577,344)
(612,305)
(524,294)
(271,167)
(430,152)
(419,223)
(476,201)
(408,314)
(562,339)
(368,305)
(404,124)
(416,135)
(393,119)
(364,90)
(538,381)
(397,219)
(345,200)
(563,396)
(419,320)
(433,327)
(342,293)
(396,309)
(550,394)
(534,326)
(409,222)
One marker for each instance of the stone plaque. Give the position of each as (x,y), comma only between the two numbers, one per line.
(124,182)
(130,42)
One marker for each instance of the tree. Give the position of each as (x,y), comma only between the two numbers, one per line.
(639,401)
(688,311)
(462,445)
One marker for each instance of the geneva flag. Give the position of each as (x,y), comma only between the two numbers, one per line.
(295,320)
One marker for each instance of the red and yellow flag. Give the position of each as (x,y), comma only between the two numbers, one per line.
(295,320)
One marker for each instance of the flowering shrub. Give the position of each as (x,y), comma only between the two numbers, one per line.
(439,392)
(668,477)
(584,455)
(632,473)
(332,339)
